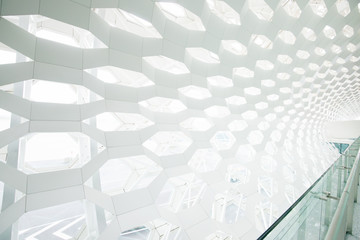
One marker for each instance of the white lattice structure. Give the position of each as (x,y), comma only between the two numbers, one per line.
(188,119)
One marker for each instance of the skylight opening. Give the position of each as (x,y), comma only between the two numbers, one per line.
(163,105)
(309,34)
(284,59)
(313,66)
(234,47)
(235,100)
(318,7)
(167,64)
(252,91)
(261,10)
(196,124)
(302,54)
(351,47)
(249,115)
(117,121)
(181,16)
(217,111)
(237,125)
(204,160)
(243,72)
(287,37)
(291,8)
(167,143)
(126,174)
(220,81)
(329,32)
(195,92)
(261,105)
(268,83)
(120,76)
(336,49)
(262,41)
(57,31)
(264,65)
(343,7)
(222,140)
(319,51)
(348,31)
(223,11)
(62,151)
(129,22)
(203,55)
(299,70)
(283,76)
(255,137)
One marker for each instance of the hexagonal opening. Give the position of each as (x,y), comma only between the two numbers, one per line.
(291,8)
(329,32)
(236,100)
(55,92)
(287,36)
(163,105)
(309,34)
(348,31)
(234,47)
(46,152)
(302,54)
(222,140)
(117,121)
(167,64)
(167,143)
(203,55)
(195,92)
(243,72)
(120,76)
(57,31)
(245,153)
(129,22)
(180,15)
(181,192)
(230,206)
(220,81)
(264,65)
(237,173)
(318,7)
(223,11)
(343,7)
(262,41)
(255,137)
(284,59)
(204,160)
(237,125)
(196,124)
(261,10)
(122,175)
(217,111)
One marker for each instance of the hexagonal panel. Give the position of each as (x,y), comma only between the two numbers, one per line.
(126,21)
(120,76)
(230,206)
(222,140)
(180,15)
(163,105)
(57,31)
(196,124)
(62,151)
(181,192)
(195,92)
(223,11)
(166,143)
(217,111)
(234,47)
(122,175)
(204,160)
(116,121)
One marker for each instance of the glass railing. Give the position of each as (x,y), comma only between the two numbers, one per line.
(312,214)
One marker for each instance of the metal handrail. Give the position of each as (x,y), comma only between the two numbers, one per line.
(286,213)
(342,220)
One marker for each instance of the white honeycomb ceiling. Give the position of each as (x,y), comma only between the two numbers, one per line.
(188,119)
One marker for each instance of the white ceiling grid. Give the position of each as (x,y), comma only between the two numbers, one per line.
(168,119)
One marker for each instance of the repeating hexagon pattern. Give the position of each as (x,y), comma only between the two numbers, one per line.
(187,119)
